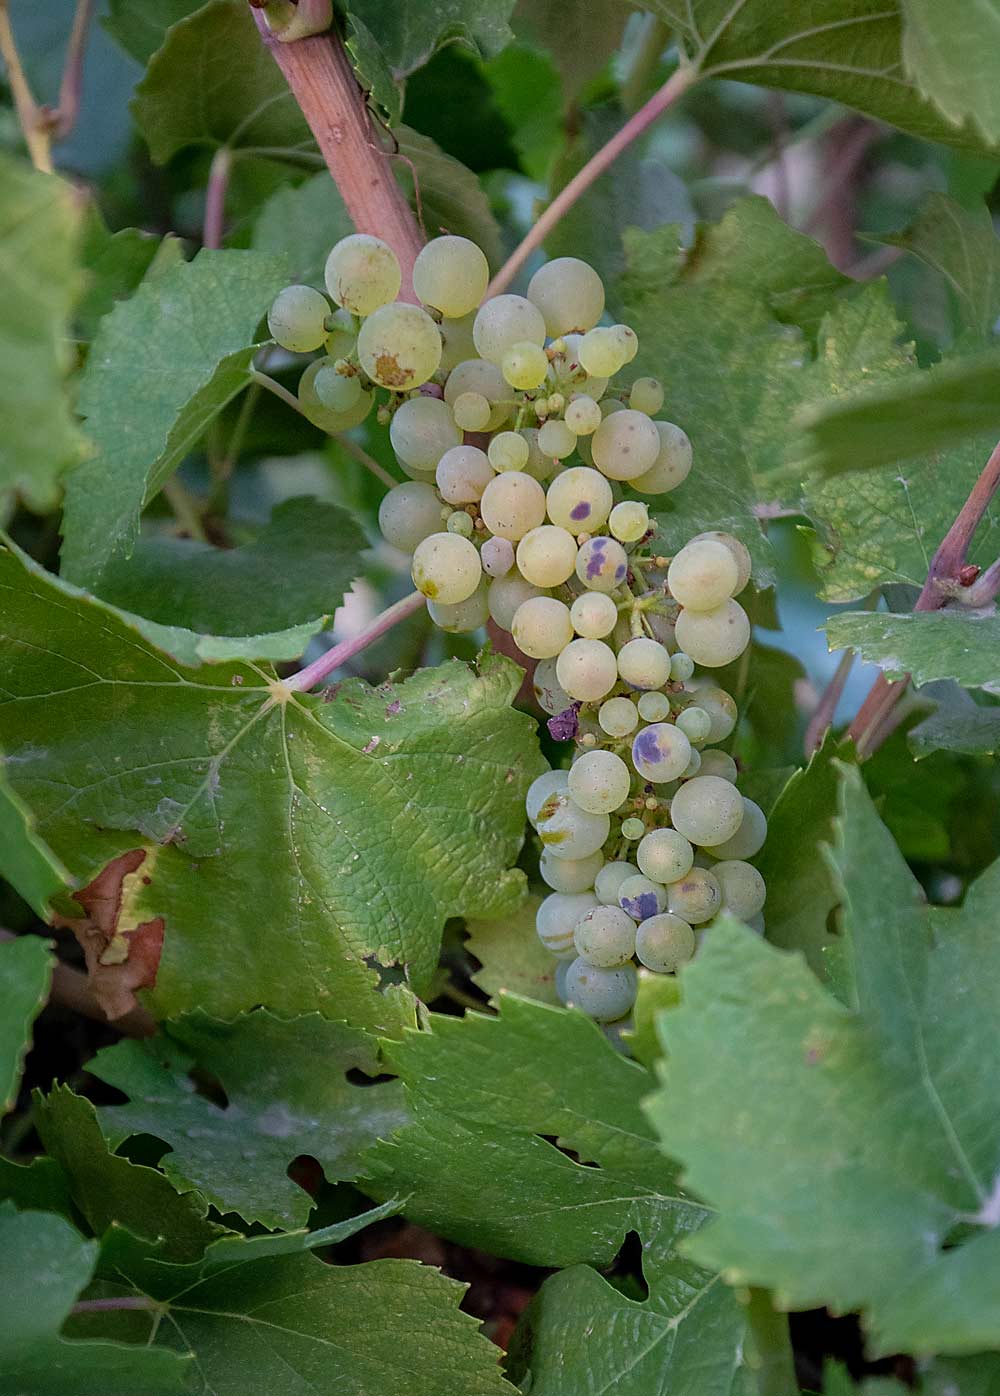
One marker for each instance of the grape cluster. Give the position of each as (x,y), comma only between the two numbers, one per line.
(519,448)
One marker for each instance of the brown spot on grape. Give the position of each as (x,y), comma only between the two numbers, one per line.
(389,373)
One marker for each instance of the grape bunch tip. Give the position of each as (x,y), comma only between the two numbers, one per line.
(645,838)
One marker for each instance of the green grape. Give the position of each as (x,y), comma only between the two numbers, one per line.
(471,411)
(743,888)
(693,766)
(570,875)
(681,667)
(707,810)
(408,514)
(672,463)
(297,319)
(602,352)
(696,897)
(542,789)
(506,594)
(602,564)
(604,936)
(618,716)
(587,670)
(633,828)
(362,274)
(740,552)
(570,295)
(508,450)
(602,994)
(461,616)
(653,707)
(503,322)
(513,505)
(714,638)
(568,365)
(599,781)
(640,896)
(497,556)
(594,615)
(579,499)
(451,274)
(646,395)
(323,417)
(463,474)
(629,521)
(460,523)
(749,837)
(478,376)
(703,575)
(557,916)
(664,855)
(569,831)
(525,365)
(457,345)
(660,753)
(644,663)
(399,346)
(335,390)
(625,445)
(341,334)
(421,431)
(663,943)
(609,880)
(555,439)
(548,691)
(538,465)
(545,555)
(541,627)
(446,568)
(696,722)
(583,415)
(719,763)
(720,707)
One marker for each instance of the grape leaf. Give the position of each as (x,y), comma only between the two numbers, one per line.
(857,1214)
(25,972)
(579,51)
(44,1265)
(30,867)
(883,526)
(410,32)
(237,1155)
(958,723)
(513,959)
(849,51)
(319,829)
(115,264)
(164,363)
(951,644)
(950,54)
(528,92)
(301,222)
(214,83)
(372,71)
(500,1089)
(39,226)
(298,567)
(140,26)
(38,1186)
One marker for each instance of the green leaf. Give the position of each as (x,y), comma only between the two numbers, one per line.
(849,51)
(513,959)
(140,26)
(214,83)
(25,973)
(38,1186)
(238,1155)
(409,32)
(115,264)
(950,644)
(528,92)
(580,51)
(451,198)
(372,71)
(44,1266)
(298,567)
(320,830)
(39,227)
(951,56)
(301,222)
(883,526)
(961,245)
(31,868)
(910,1144)
(108,1189)
(164,363)
(958,723)
(501,1089)
(657,993)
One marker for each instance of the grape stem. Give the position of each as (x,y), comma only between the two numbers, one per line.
(37,131)
(215,197)
(873,723)
(774,1366)
(110,1306)
(671,91)
(339,654)
(264,380)
(319,73)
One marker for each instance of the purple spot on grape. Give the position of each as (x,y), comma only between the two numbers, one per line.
(642,907)
(620,572)
(646,748)
(565,724)
(580,511)
(595,559)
